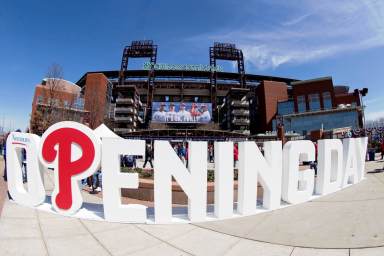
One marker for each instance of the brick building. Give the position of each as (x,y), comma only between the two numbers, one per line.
(60,100)
(56,100)
(97,97)
(317,104)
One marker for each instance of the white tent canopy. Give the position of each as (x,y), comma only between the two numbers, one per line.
(104,132)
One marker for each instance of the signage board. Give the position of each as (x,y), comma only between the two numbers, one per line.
(181,112)
(73,151)
(186,67)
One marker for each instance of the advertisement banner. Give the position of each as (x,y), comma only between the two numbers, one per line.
(181,112)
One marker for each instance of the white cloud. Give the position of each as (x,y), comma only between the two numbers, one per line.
(317,29)
(296,20)
(372,101)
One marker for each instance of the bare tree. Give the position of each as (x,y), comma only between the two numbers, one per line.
(37,122)
(47,112)
(58,103)
(53,89)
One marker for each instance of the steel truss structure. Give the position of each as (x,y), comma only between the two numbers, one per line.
(140,49)
(225,51)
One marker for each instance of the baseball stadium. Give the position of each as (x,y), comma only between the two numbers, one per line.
(202,102)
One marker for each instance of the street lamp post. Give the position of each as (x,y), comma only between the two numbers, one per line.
(362,93)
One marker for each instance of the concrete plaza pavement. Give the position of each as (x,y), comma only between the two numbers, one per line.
(348,222)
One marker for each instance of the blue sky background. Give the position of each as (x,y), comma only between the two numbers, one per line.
(301,39)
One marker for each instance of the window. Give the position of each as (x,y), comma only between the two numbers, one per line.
(314,101)
(301,103)
(285,107)
(79,104)
(327,100)
(328,121)
(39,99)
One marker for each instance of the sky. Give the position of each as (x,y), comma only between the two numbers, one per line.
(300,39)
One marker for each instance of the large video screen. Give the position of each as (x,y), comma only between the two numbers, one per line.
(181,112)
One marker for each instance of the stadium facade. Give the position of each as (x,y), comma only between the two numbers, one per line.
(151,103)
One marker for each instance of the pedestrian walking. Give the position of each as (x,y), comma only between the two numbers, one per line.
(148,155)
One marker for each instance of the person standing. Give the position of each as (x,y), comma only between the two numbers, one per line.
(182,153)
(313,164)
(382,149)
(96,181)
(160,115)
(183,114)
(172,115)
(5,164)
(175,147)
(210,153)
(24,165)
(131,161)
(148,155)
(195,113)
(235,154)
(205,117)
(186,155)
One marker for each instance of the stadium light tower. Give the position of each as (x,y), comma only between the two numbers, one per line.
(225,51)
(140,49)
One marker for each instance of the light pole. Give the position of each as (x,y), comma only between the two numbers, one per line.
(363,93)
(218,115)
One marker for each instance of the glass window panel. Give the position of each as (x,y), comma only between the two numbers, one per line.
(301,103)
(327,121)
(327,100)
(314,101)
(285,108)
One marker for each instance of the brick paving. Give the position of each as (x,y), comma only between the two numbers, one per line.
(348,222)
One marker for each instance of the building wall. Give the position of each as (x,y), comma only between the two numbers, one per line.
(350,98)
(308,87)
(269,93)
(353,99)
(305,123)
(45,94)
(95,98)
(321,113)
